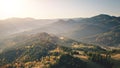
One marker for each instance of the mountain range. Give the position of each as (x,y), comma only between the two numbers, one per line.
(60,43)
(101,29)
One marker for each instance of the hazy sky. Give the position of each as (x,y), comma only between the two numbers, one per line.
(45,9)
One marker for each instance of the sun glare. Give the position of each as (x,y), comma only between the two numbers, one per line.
(10,8)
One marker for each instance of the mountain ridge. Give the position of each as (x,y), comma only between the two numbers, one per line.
(76,28)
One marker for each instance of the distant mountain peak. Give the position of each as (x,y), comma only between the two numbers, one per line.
(103,17)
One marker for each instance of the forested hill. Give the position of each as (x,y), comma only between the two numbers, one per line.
(45,50)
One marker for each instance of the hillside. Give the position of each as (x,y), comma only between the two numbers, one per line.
(47,50)
(30,39)
(29,47)
(110,38)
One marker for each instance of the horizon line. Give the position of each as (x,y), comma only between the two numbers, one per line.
(56,17)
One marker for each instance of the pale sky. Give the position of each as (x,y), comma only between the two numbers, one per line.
(49,9)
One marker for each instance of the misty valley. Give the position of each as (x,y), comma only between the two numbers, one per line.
(92,42)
